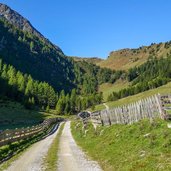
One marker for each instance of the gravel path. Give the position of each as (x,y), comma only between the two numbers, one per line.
(71,157)
(32,159)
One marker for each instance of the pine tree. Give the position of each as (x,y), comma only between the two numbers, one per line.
(67,109)
(73,100)
(29,87)
(60,107)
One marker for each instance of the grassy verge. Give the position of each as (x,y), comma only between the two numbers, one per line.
(6,164)
(142,146)
(50,161)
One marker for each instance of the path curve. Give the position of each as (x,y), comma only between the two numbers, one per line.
(71,157)
(107,107)
(32,159)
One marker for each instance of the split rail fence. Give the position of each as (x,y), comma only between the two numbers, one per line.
(156,106)
(9,136)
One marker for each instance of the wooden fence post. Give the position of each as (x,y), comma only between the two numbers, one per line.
(159,104)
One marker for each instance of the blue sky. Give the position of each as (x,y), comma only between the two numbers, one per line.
(91,28)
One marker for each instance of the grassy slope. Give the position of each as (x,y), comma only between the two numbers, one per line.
(13,114)
(143,146)
(163,90)
(127,58)
(108,88)
(50,160)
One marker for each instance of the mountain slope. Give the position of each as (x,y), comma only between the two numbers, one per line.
(21,23)
(125,59)
(29,52)
(22,46)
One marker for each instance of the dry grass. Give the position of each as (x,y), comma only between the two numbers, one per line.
(127,58)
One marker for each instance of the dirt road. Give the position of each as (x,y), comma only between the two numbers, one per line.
(32,159)
(71,157)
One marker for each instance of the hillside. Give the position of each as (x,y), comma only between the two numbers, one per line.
(29,52)
(22,23)
(22,46)
(32,66)
(108,88)
(165,89)
(14,115)
(125,59)
(35,72)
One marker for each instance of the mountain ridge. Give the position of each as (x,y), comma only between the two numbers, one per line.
(126,58)
(93,60)
(33,54)
(22,23)
(29,54)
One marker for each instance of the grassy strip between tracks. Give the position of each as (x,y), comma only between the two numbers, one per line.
(142,146)
(50,160)
(14,150)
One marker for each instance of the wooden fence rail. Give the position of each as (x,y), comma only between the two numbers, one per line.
(9,136)
(151,107)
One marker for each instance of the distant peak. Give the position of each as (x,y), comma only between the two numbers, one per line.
(3,6)
(14,18)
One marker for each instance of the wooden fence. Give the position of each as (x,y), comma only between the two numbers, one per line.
(151,107)
(9,136)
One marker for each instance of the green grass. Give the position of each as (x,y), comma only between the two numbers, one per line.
(14,115)
(50,161)
(142,146)
(108,88)
(166,89)
(97,108)
(6,164)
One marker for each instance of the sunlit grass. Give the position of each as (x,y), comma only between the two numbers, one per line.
(141,146)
